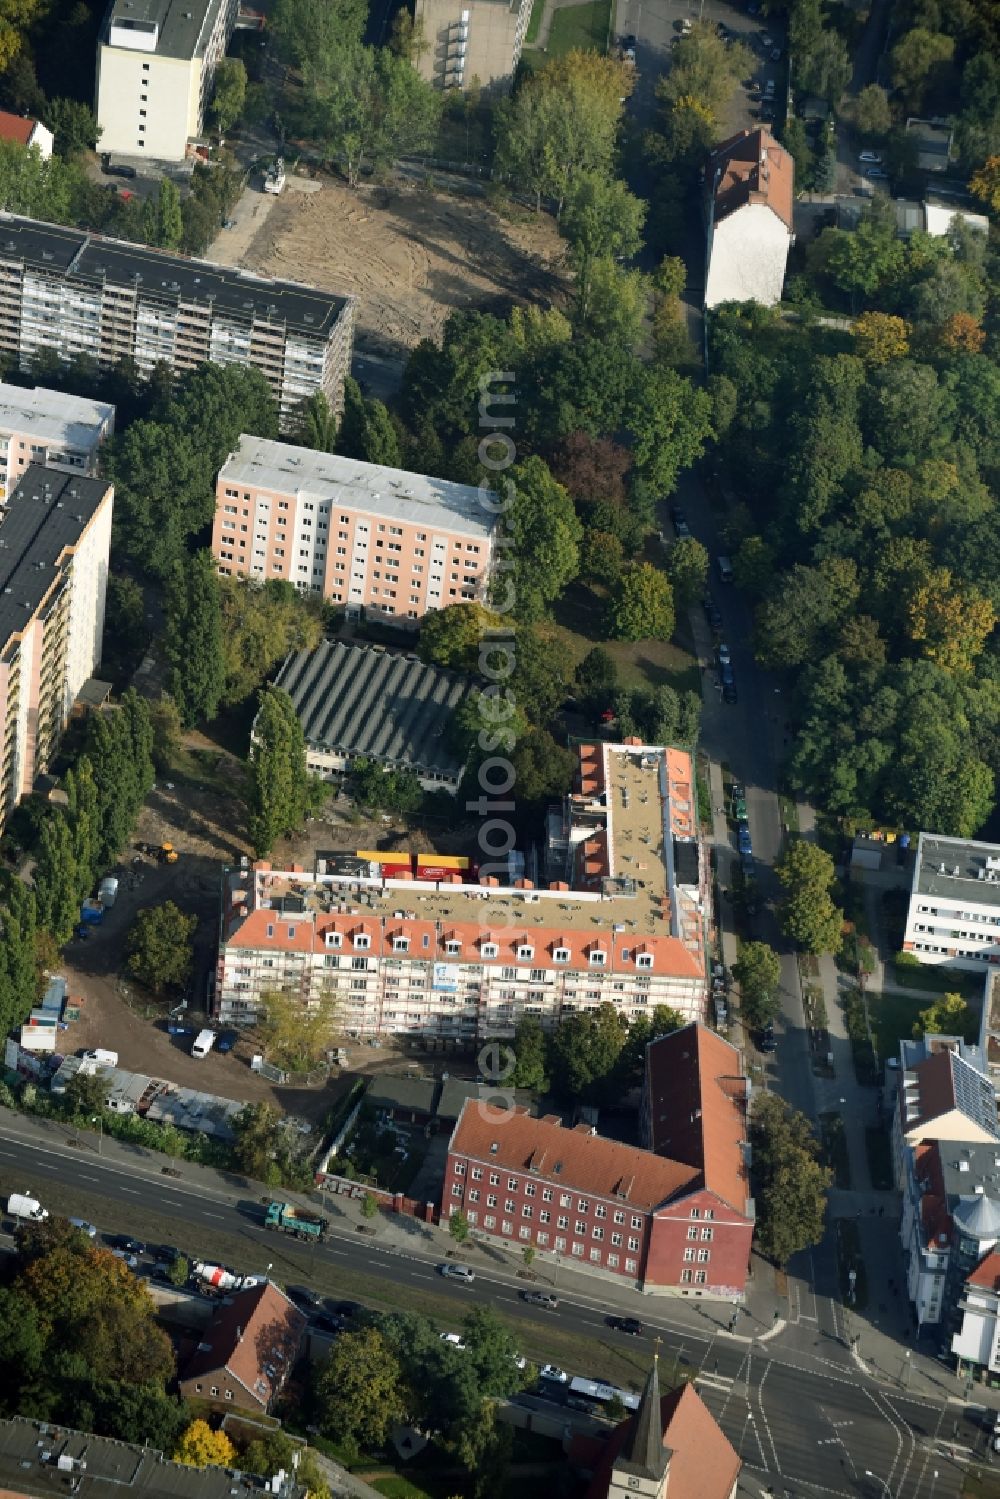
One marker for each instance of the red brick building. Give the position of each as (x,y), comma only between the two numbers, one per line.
(668,1224)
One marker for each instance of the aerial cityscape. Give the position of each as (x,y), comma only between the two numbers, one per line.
(499,828)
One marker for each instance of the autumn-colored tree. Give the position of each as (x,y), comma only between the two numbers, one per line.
(951,623)
(201,1447)
(881,337)
(986,183)
(961,334)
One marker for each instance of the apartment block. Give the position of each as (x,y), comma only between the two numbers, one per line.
(73,293)
(458,959)
(650,1218)
(471,43)
(50,428)
(156,60)
(55,536)
(954,912)
(373,539)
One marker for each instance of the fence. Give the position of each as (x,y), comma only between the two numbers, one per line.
(392,1202)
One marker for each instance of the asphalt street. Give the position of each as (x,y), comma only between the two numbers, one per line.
(801,1415)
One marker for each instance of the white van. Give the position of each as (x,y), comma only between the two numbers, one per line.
(203,1043)
(20,1205)
(101,1057)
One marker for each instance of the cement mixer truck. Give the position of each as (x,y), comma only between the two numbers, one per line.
(218,1278)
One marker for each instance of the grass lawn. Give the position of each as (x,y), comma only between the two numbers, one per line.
(879,1158)
(641,663)
(537,12)
(981,1485)
(582,26)
(893,1017)
(402,1488)
(936,980)
(834,1140)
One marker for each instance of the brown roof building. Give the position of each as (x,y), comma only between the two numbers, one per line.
(248,1350)
(25,132)
(676,1221)
(751,194)
(672,1448)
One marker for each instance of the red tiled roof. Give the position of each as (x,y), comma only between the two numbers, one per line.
(568,1157)
(703,1464)
(935,1219)
(987,1272)
(752,168)
(696,1101)
(255,1337)
(15,128)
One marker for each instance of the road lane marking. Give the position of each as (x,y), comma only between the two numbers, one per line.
(90,1179)
(220,1216)
(131,1191)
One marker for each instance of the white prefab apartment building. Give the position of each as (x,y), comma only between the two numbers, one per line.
(471,42)
(460,960)
(72,293)
(155,63)
(954,911)
(51,428)
(751,193)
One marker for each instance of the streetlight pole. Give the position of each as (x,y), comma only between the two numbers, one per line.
(885,1487)
(96,1119)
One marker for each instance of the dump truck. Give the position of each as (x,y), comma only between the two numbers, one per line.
(296,1221)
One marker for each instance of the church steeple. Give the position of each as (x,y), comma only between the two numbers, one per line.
(643,1455)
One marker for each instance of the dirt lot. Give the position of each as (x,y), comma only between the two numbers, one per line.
(411,256)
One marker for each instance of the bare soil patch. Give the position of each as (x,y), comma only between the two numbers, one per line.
(410,255)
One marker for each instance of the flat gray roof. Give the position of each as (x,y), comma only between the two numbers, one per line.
(353,700)
(47,512)
(92,259)
(957,869)
(182,25)
(393,493)
(53,416)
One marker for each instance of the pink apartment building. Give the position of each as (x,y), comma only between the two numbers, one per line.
(51,428)
(364,536)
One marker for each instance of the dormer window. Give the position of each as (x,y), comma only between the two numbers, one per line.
(489,949)
(333,939)
(453,948)
(644,960)
(560,954)
(362,942)
(526,954)
(400,944)
(598,957)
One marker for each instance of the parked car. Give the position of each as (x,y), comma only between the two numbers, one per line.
(323,1322)
(455,1271)
(453,1338)
(307,1299)
(128,1259)
(683,529)
(877,174)
(739,804)
(726,673)
(345,1308)
(766,1041)
(743,842)
(729,693)
(870,158)
(541,1298)
(131,1246)
(725,655)
(226,1040)
(748,867)
(577,1403)
(554,1373)
(769,88)
(84,1227)
(631,1325)
(712,612)
(775,54)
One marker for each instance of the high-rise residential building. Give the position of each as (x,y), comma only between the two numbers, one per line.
(156,60)
(371,538)
(954,912)
(55,536)
(51,428)
(461,955)
(71,293)
(471,43)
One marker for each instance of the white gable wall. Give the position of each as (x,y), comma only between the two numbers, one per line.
(747,255)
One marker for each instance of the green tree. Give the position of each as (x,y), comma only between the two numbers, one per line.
(311,34)
(950,1015)
(229,94)
(163,494)
(74,126)
(262,622)
(317,424)
(670,421)
(369,1207)
(757,970)
(563,121)
(56,878)
(601,219)
(267,1455)
(297,1036)
(642,605)
(279,792)
(366,429)
(179,1271)
(259,1142)
(790,1186)
(602,557)
(543,769)
(808,913)
(530,1046)
(584,1055)
(451,636)
(918,60)
(826,68)
(169,223)
(159,947)
(458,1227)
(596,677)
(370,107)
(871,112)
(359,1390)
(193,638)
(545,541)
(492,1350)
(86,1095)
(687,569)
(201,1447)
